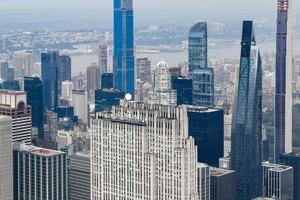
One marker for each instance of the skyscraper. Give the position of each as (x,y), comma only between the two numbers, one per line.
(156,158)
(6,161)
(103,59)
(34,89)
(14,105)
(222,184)
(93,83)
(198,47)
(293,160)
(39,173)
(206,126)
(246,153)
(63,71)
(50,61)
(162,89)
(80,176)
(203,181)
(284,78)
(203,76)
(124,46)
(80,104)
(23,63)
(277,181)
(184,88)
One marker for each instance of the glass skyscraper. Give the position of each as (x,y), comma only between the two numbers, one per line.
(198,46)
(203,76)
(50,62)
(246,150)
(124,46)
(34,89)
(284,78)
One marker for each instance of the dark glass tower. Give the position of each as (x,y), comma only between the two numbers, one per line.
(184,88)
(64,71)
(207,127)
(123,46)
(50,63)
(246,149)
(284,78)
(34,89)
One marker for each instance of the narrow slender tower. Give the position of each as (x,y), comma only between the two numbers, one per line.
(284,72)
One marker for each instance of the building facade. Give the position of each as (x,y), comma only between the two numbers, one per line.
(197,41)
(105,99)
(203,181)
(50,62)
(14,105)
(153,156)
(222,184)
(246,146)
(123,61)
(80,176)
(80,104)
(284,79)
(293,160)
(6,161)
(277,181)
(35,98)
(206,126)
(162,86)
(184,88)
(39,173)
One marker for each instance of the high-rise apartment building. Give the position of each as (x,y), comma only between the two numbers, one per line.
(284,78)
(39,173)
(143,151)
(246,146)
(34,86)
(206,126)
(124,46)
(14,105)
(293,160)
(6,161)
(49,68)
(277,181)
(143,70)
(80,176)
(222,184)
(107,81)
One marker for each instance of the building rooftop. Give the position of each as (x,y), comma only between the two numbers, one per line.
(202,109)
(36,150)
(219,172)
(276,167)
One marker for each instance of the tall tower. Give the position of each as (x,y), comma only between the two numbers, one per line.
(203,76)
(284,74)
(123,46)
(50,63)
(247,119)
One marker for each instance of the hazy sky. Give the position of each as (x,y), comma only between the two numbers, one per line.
(146,11)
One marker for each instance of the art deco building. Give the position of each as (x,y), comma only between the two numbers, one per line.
(143,151)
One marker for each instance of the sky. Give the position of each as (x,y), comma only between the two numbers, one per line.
(147,12)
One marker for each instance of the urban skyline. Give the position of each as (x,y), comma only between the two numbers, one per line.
(129,125)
